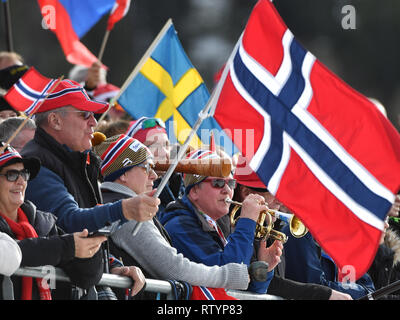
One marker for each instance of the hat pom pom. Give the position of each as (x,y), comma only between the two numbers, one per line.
(98,138)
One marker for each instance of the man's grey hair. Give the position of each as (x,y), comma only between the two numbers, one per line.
(41,118)
(9,125)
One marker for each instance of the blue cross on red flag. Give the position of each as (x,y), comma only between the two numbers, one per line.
(320,147)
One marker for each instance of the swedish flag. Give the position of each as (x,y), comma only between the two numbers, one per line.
(170,88)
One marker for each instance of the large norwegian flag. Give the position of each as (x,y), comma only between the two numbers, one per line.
(320,147)
(27,94)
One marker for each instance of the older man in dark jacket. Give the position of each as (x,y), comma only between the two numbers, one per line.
(67,182)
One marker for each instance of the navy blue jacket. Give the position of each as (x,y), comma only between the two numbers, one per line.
(307,262)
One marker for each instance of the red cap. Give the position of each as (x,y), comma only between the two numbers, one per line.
(246,176)
(71,93)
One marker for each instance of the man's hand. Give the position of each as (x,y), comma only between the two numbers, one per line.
(86,247)
(94,76)
(143,207)
(133,272)
(271,255)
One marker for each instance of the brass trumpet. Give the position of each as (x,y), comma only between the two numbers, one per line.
(264,229)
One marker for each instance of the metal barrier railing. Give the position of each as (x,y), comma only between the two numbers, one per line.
(152,285)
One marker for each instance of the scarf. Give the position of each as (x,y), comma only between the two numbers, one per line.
(23,229)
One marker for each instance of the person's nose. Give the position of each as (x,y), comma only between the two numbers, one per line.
(92,121)
(20,180)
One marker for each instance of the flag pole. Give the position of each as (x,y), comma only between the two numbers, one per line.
(139,66)
(203,114)
(29,117)
(7,20)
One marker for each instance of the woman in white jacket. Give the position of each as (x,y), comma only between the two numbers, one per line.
(10,255)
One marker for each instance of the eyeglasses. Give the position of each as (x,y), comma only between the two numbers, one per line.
(152,122)
(84,114)
(220,183)
(12,175)
(147,166)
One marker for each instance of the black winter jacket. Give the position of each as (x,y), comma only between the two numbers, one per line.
(78,170)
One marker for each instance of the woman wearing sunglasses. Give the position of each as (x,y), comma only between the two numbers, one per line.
(194,224)
(40,240)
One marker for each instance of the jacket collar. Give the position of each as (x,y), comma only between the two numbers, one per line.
(203,221)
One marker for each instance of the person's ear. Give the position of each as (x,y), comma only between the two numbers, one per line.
(123,178)
(194,193)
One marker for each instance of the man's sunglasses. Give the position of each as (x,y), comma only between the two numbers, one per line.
(147,166)
(220,183)
(84,114)
(12,175)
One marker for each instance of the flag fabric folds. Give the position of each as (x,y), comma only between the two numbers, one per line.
(71,20)
(320,147)
(119,10)
(170,88)
(28,92)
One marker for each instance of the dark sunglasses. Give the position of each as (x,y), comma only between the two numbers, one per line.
(153,122)
(220,183)
(84,114)
(12,175)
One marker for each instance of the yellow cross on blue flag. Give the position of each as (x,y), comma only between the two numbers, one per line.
(168,87)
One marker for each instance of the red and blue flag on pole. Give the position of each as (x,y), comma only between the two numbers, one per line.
(320,147)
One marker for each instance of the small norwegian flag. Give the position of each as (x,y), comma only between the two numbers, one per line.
(27,94)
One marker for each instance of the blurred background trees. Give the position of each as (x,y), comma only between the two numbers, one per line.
(365,57)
